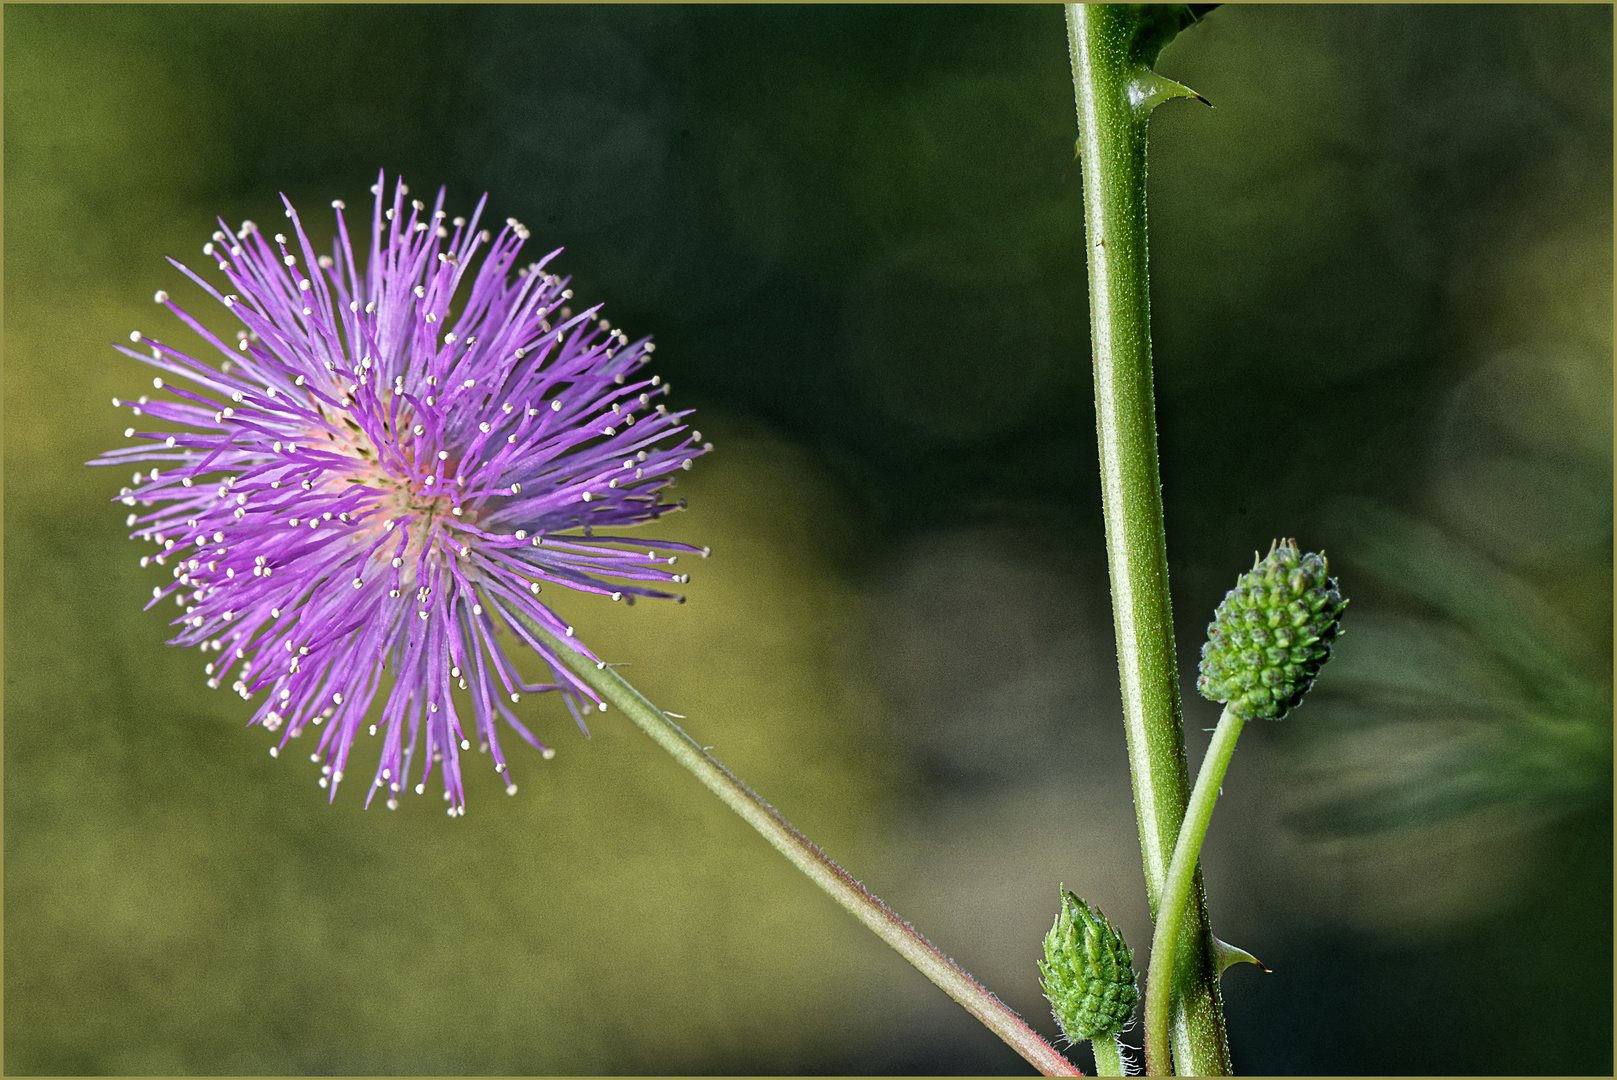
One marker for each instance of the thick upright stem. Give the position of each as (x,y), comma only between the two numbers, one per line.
(1115,92)
(810,859)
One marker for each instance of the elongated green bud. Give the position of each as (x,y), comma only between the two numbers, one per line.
(1272,634)
(1087,974)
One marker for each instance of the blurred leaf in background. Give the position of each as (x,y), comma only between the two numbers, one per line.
(1382,278)
(1490,690)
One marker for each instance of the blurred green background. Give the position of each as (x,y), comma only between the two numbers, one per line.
(1382,279)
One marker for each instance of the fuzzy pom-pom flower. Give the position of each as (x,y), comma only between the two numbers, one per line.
(394,460)
(1272,633)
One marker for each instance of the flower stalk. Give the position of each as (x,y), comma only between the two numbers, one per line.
(807,857)
(1108,1056)
(1181,875)
(1112,48)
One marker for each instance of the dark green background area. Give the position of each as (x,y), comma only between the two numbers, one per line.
(1381,272)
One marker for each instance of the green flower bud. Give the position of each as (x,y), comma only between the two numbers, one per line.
(1272,634)
(1087,975)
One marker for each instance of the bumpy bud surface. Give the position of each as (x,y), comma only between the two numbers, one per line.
(1272,634)
(1087,974)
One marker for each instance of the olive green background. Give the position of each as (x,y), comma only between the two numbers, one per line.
(1382,289)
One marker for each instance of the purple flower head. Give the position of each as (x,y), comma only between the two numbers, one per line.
(391,463)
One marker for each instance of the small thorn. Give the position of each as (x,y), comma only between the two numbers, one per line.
(1229,955)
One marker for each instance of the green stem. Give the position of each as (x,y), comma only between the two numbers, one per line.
(808,858)
(1108,1056)
(1181,875)
(1115,92)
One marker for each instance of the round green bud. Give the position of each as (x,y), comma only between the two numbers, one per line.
(1086,973)
(1272,634)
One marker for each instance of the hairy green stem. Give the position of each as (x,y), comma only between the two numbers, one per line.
(808,858)
(1115,90)
(1108,1056)
(1181,875)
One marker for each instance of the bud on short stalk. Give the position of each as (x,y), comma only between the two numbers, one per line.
(1265,645)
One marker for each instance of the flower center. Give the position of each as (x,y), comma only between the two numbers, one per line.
(420,492)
